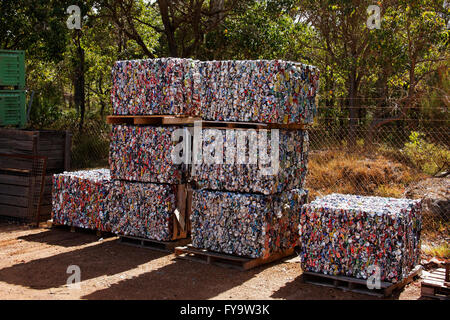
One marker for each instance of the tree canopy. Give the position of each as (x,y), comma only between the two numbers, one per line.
(369,77)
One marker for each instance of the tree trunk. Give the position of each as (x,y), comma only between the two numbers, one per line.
(168,28)
(79,94)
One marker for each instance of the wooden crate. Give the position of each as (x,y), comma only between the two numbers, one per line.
(15,183)
(359,285)
(22,180)
(226,260)
(55,145)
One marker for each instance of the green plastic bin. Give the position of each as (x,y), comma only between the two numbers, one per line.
(12,108)
(12,69)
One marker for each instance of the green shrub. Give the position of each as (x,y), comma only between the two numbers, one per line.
(428,157)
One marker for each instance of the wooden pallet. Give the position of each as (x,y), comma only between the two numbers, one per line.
(189,121)
(151,119)
(102,234)
(434,285)
(226,260)
(251,125)
(164,246)
(359,285)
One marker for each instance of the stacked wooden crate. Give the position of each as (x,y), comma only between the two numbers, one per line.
(18,173)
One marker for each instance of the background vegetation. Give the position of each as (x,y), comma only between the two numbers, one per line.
(383,120)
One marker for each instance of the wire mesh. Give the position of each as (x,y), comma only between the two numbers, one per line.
(388,162)
(396,160)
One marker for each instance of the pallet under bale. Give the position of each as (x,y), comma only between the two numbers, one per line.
(72,229)
(227,260)
(164,246)
(360,285)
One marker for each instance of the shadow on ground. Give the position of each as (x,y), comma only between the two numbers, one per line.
(63,237)
(297,289)
(104,258)
(180,279)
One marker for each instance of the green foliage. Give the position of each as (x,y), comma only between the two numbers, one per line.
(397,72)
(429,157)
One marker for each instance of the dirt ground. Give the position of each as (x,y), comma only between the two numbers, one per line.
(34,262)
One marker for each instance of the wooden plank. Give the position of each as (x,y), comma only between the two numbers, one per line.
(46,210)
(57,165)
(186,120)
(251,125)
(179,121)
(204,252)
(383,284)
(360,285)
(18,201)
(10,163)
(120,120)
(16,134)
(225,260)
(13,190)
(180,222)
(433,283)
(13,211)
(8,144)
(151,119)
(273,257)
(14,179)
(165,246)
(99,233)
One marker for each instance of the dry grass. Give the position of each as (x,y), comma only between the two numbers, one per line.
(336,171)
(439,251)
(352,173)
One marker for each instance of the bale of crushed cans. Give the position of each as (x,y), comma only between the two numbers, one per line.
(267,91)
(79,199)
(247,162)
(144,154)
(248,225)
(347,234)
(91,200)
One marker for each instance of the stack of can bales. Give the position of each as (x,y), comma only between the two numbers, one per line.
(134,197)
(249,183)
(270,190)
(140,159)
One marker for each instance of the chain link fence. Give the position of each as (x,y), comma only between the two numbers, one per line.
(393,161)
(389,162)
